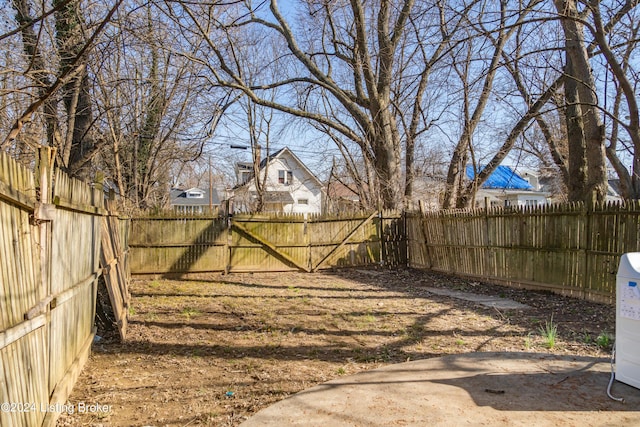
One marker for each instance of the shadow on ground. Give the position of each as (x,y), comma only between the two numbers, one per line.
(264,337)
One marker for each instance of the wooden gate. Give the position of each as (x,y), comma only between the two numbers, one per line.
(266,243)
(248,243)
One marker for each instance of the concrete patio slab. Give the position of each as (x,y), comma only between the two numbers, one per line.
(474,389)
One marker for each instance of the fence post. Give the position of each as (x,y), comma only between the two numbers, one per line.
(405,251)
(489,260)
(307,241)
(421,222)
(589,207)
(229,239)
(486,222)
(381,234)
(44,193)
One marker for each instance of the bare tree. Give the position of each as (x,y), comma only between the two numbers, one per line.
(458,193)
(37,64)
(576,147)
(619,61)
(260,127)
(342,66)
(78,146)
(557,91)
(153,114)
(384,81)
(74,42)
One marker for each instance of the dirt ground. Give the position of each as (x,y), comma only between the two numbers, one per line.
(213,350)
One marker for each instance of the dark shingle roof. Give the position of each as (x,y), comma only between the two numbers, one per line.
(276,197)
(179,198)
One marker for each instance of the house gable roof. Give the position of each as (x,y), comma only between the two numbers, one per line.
(503,178)
(280,153)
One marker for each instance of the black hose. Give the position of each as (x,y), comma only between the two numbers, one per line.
(613,377)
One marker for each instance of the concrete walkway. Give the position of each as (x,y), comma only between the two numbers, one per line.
(486,300)
(474,389)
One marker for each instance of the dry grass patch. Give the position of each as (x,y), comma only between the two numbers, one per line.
(216,349)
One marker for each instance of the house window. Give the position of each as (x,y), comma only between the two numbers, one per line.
(245,176)
(303,201)
(195,195)
(285,177)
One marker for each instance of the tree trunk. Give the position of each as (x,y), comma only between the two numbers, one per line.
(386,148)
(82,145)
(578,168)
(387,164)
(583,120)
(78,145)
(455,175)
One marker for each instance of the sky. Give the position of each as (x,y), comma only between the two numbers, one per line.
(312,147)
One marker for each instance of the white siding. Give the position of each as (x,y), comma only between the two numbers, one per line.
(303,186)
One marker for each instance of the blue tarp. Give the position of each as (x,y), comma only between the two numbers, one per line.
(502,178)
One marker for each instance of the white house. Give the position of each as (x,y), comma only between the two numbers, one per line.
(290,186)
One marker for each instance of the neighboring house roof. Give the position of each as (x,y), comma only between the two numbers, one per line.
(271,157)
(503,178)
(108,185)
(179,197)
(276,197)
(338,190)
(280,153)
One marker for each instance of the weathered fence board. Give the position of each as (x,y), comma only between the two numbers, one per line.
(22,341)
(568,249)
(265,243)
(177,245)
(359,228)
(114,267)
(75,249)
(50,241)
(279,250)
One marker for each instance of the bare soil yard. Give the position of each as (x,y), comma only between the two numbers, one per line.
(213,350)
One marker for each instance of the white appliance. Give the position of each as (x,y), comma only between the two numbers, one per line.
(628,320)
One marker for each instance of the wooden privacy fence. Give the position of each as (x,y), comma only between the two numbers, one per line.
(50,248)
(246,243)
(114,260)
(568,249)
